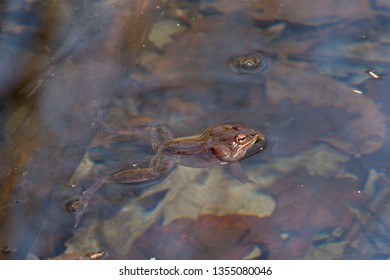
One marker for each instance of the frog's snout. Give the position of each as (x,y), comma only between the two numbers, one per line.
(261,141)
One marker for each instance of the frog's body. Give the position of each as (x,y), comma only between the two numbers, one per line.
(216,146)
(220,145)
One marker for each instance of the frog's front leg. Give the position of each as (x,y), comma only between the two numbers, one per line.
(236,170)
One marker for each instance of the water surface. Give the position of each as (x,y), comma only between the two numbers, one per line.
(312,78)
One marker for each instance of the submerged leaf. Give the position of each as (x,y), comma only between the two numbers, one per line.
(190,196)
(351,122)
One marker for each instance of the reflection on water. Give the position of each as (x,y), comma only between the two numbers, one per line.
(311,78)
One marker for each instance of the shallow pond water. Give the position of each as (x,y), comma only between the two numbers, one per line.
(312,82)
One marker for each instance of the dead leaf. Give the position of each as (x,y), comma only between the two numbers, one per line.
(358,125)
(192,194)
(311,13)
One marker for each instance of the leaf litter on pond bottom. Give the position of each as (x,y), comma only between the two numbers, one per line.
(190,195)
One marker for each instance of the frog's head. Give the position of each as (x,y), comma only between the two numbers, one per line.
(231,142)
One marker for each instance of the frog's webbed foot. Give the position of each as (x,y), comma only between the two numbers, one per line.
(236,170)
(79,205)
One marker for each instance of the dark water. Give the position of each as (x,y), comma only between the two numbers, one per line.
(312,79)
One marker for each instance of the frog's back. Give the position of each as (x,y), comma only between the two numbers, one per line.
(191,154)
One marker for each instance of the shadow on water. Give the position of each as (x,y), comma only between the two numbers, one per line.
(295,73)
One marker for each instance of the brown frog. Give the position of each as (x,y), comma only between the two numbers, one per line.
(220,145)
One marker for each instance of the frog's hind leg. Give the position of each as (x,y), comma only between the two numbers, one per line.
(160,135)
(137,127)
(158,166)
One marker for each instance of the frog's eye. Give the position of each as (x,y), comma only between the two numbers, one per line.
(240,138)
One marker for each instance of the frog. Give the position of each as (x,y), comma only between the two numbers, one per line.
(221,145)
